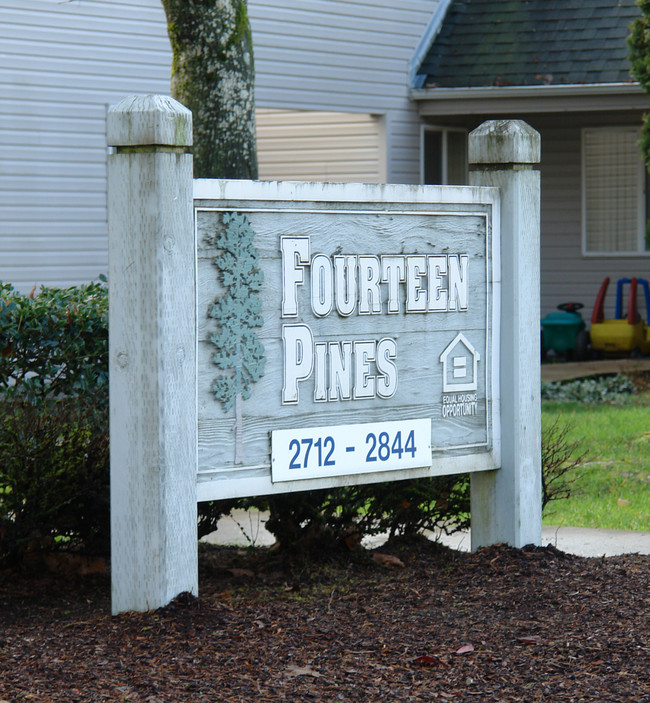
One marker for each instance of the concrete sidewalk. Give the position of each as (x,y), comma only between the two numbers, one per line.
(581,541)
(247,528)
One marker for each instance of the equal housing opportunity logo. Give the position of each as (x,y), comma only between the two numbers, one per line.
(459,361)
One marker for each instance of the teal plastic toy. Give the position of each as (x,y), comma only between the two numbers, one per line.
(564,332)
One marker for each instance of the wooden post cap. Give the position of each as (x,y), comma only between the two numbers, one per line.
(149,120)
(504,142)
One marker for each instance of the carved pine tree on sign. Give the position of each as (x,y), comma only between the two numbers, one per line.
(239,353)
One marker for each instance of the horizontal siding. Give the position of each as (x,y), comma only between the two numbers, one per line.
(113,65)
(343,56)
(337,13)
(26,144)
(56,13)
(16,121)
(41,211)
(47,184)
(63,63)
(67,242)
(105,45)
(57,228)
(39,169)
(320,146)
(89,85)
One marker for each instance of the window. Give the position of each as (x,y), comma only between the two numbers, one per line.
(444,156)
(614,218)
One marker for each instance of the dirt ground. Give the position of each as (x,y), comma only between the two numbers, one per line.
(425,623)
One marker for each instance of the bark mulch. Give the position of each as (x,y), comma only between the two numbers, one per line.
(502,624)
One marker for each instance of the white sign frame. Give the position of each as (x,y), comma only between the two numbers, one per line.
(257,199)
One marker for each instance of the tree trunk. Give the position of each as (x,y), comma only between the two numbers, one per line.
(213,75)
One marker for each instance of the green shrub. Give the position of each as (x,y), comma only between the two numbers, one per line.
(54,478)
(407,508)
(54,456)
(600,389)
(54,343)
(54,460)
(331,518)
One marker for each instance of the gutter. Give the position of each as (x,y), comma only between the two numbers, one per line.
(525,91)
(533,99)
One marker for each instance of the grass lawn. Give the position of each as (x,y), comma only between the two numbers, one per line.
(612,490)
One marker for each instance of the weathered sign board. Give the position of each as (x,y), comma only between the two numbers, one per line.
(276,337)
(346,333)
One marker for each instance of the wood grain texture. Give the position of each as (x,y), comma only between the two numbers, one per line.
(376,228)
(152,363)
(155,120)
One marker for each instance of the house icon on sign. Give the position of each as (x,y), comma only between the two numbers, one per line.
(459,366)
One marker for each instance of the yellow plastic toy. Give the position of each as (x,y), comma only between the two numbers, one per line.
(621,336)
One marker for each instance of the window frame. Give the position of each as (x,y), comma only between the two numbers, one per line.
(445,130)
(643,211)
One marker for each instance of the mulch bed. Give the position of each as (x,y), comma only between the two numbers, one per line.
(499,625)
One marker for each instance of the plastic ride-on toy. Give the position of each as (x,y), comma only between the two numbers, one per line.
(622,335)
(564,332)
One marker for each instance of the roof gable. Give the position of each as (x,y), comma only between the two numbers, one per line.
(531,42)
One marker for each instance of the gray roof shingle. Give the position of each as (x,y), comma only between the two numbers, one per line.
(531,42)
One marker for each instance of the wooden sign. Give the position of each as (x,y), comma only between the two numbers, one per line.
(345,333)
(316,335)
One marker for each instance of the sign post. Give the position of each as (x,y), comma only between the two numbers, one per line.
(274,337)
(506,505)
(152,359)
